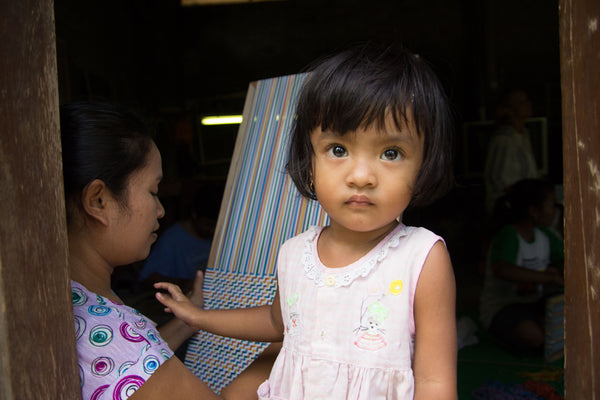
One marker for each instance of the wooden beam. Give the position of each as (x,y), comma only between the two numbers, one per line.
(37,340)
(580,63)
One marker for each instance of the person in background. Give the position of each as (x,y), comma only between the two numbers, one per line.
(509,156)
(111,170)
(524,256)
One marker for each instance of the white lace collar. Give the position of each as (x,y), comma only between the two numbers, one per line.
(346,275)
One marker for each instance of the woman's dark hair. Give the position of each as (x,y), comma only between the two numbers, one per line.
(514,205)
(363,86)
(101,141)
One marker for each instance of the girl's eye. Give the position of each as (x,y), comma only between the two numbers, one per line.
(391,155)
(337,151)
(155,194)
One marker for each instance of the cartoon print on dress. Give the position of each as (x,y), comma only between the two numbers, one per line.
(371,335)
(293,326)
(370,332)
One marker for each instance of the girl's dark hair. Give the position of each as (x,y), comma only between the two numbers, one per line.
(101,141)
(363,86)
(514,205)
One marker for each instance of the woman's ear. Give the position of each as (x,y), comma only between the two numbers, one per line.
(95,199)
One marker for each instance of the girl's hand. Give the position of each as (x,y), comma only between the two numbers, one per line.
(179,304)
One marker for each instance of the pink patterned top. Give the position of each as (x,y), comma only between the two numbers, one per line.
(117,347)
(349,332)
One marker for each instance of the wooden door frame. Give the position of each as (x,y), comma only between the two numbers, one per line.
(580,62)
(37,339)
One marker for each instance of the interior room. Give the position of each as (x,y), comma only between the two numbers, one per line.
(179,62)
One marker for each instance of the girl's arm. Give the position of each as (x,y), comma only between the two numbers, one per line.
(434,365)
(261,323)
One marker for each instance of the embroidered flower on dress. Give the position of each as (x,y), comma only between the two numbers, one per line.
(396,287)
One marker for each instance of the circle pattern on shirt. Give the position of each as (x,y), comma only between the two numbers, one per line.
(127,386)
(79,326)
(98,392)
(153,336)
(129,333)
(78,297)
(151,363)
(102,366)
(101,335)
(98,311)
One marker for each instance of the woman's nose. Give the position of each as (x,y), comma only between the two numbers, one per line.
(160,211)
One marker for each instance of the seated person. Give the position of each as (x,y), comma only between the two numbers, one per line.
(524,258)
(112,169)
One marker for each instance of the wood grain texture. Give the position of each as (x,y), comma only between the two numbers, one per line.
(580,63)
(37,343)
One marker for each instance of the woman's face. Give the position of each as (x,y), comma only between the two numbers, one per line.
(136,224)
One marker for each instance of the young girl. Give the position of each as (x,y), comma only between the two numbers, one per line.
(365,306)
(112,169)
(524,254)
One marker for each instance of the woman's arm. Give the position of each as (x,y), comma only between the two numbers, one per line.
(172,380)
(434,365)
(261,323)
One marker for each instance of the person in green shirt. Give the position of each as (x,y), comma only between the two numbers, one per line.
(524,262)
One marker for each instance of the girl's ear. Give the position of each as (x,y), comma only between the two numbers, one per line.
(94,198)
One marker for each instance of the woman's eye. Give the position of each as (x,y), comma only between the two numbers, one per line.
(391,155)
(338,151)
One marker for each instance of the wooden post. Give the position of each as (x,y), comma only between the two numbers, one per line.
(580,66)
(37,340)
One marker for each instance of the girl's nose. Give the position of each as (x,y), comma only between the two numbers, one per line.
(361,174)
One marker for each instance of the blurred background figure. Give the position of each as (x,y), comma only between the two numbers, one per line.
(524,265)
(509,157)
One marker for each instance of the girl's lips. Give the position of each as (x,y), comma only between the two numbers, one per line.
(359,200)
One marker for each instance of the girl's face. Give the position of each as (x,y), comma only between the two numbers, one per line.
(135,226)
(364,180)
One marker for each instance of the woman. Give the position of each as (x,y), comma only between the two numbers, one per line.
(112,169)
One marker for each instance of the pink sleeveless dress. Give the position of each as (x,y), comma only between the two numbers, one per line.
(349,332)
